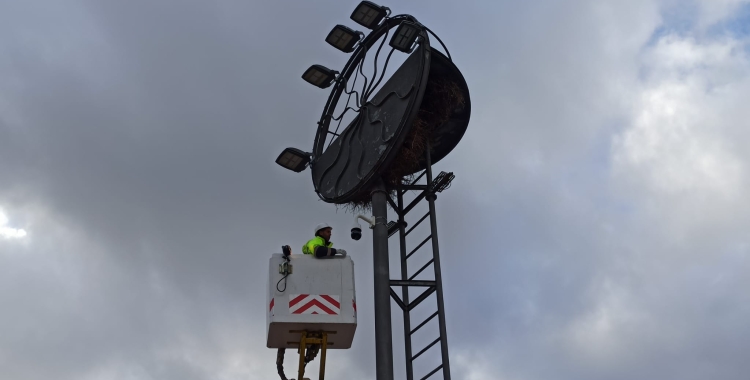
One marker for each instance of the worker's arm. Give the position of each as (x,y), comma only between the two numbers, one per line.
(321,251)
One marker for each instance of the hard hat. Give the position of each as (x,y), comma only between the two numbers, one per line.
(320,227)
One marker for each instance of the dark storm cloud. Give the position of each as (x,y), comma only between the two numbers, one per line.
(157,145)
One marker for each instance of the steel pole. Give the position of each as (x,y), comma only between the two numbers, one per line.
(438,276)
(383,333)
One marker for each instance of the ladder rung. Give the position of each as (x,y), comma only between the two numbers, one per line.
(398,300)
(425,349)
(415,226)
(419,246)
(406,188)
(414,202)
(418,178)
(421,269)
(421,298)
(423,323)
(412,283)
(390,202)
(433,372)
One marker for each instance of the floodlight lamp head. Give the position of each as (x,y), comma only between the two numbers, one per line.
(394,227)
(320,76)
(343,38)
(405,36)
(294,159)
(369,14)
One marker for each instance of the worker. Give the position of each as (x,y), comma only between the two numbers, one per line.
(320,245)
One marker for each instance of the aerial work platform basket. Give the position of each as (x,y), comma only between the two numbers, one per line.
(314,295)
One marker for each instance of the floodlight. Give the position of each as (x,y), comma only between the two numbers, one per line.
(320,76)
(369,14)
(392,228)
(441,182)
(343,38)
(405,35)
(293,159)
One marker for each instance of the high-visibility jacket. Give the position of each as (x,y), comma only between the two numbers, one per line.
(309,247)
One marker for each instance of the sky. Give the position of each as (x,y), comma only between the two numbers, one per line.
(596,228)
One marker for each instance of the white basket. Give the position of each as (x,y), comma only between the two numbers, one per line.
(319,296)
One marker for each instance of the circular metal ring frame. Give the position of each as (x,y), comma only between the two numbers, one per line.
(332,171)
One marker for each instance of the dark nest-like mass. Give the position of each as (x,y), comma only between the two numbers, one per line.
(442,96)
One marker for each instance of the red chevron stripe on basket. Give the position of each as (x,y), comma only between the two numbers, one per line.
(314,304)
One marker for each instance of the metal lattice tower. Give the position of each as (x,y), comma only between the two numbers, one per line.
(423,288)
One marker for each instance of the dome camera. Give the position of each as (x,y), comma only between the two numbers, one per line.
(357,229)
(356,233)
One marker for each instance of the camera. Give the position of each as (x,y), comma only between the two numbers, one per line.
(356,233)
(357,229)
